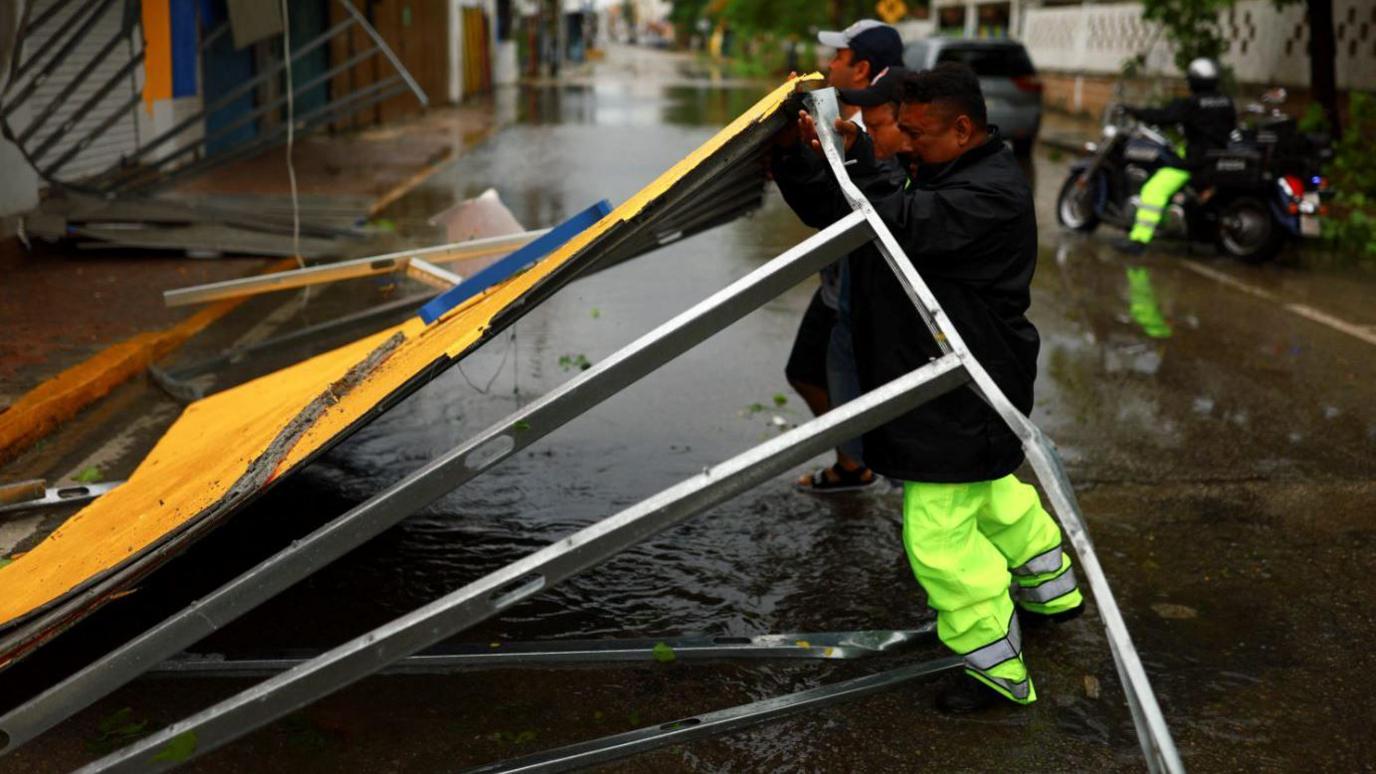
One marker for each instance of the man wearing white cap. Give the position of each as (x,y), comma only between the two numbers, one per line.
(821,366)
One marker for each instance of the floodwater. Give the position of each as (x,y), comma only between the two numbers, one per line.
(1223,445)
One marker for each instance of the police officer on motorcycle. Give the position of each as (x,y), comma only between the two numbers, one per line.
(1207,117)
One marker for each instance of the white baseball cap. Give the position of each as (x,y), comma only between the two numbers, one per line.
(843,38)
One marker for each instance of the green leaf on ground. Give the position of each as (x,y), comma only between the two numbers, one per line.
(579,361)
(116,730)
(520,425)
(754,408)
(663,653)
(178,749)
(780,399)
(90,475)
(596,313)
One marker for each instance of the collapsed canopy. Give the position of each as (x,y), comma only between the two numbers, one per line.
(227,448)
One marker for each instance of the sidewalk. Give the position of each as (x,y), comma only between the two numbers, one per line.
(80,323)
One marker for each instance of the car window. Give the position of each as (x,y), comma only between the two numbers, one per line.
(990,62)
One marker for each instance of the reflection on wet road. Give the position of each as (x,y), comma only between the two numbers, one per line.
(1223,449)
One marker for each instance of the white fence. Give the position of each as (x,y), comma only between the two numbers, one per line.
(1265,45)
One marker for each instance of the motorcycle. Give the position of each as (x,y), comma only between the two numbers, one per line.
(1265,188)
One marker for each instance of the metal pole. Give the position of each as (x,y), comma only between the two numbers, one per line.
(358,267)
(520,580)
(436,479)
(429,274)
(618,746)
(387,50)
(826,646)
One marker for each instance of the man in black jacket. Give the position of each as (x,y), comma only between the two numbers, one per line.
(971,529)
(1207,117)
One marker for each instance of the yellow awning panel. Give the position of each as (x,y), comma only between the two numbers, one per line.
(226,447)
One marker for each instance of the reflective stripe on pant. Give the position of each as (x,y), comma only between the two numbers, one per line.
(1156,194)
(967,543)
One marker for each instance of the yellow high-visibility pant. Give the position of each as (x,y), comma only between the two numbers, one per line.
(1156,194)
(968,544)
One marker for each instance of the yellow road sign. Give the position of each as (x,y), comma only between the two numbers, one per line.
(891,10)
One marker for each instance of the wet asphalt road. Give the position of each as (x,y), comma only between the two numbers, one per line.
(1223,450)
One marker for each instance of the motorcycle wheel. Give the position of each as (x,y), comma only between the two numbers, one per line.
(1247,231)
(1073,210)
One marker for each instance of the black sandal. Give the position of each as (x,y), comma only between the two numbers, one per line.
(845,481)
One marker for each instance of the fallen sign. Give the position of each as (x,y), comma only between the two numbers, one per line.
(303,683)
(226,450)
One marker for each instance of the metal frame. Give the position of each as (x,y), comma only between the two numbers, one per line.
(826,646)
(522,579)
(610,748)
(372,265)
(449,471)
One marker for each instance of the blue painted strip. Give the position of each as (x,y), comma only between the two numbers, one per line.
(513,263)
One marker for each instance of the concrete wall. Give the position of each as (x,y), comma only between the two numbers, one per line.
(1266,46)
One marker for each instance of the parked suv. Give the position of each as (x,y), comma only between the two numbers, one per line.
(1011,87)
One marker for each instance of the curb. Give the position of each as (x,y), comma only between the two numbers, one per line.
(42,409)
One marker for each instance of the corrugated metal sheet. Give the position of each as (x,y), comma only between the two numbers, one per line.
(106,148)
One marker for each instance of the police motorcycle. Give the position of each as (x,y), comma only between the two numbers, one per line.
(1266,187)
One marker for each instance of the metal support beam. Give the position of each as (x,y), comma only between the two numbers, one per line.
(432,275)
(351,269)
(617,746)
(827,646)
(436,479)
(387,50)
(538,572)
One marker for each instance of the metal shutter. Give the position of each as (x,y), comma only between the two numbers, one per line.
(106,148)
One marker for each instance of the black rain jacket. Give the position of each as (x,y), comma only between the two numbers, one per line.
(971,232)
(1207,120)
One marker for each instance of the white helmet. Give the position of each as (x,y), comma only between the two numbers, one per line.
(1203,75)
